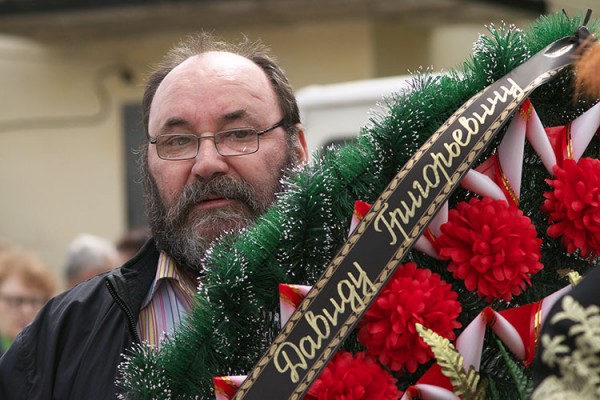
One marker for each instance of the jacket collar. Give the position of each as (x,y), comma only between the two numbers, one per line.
(132,280)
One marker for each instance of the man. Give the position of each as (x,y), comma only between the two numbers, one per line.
(87,256)
(222,124)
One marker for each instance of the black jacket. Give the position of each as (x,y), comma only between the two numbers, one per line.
(73,347)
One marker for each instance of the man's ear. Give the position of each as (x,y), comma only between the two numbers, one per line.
(301,147)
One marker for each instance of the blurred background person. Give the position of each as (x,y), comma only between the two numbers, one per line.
(26,284)
(129,244)
(87,256)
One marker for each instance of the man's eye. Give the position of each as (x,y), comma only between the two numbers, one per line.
(238,134)
(177,140)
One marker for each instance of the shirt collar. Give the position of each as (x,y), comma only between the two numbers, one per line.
(167,269)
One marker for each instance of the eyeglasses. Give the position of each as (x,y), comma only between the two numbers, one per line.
(20,301)
(230,142)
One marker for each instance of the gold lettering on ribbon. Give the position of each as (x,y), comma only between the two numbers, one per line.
(351,292)
(436,172)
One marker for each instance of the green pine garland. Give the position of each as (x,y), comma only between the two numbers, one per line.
(236,318)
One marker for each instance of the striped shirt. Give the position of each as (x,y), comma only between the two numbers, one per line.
(170,297)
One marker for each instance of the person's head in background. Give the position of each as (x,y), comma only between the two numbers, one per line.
(199,189)
(26,284)
(130,243)
(87,256)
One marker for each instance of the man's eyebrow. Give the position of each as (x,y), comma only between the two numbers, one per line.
(176,122)
(234,115)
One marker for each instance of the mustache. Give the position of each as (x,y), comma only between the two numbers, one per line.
(221,187)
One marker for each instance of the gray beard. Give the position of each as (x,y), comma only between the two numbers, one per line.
(184,233)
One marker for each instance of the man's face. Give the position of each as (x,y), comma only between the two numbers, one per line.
(193,202)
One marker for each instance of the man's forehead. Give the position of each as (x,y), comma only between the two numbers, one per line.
(199,75)
(214,63)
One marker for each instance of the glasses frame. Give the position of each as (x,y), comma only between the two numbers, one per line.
(18,302)
(213,136)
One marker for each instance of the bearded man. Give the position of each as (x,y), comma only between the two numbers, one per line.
(222,125)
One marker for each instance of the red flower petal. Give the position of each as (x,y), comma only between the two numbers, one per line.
(351,377)
(572,207)
(418,295)
(492,246)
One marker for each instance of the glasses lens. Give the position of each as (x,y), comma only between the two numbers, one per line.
(177,146)
(15,302)
(237,141)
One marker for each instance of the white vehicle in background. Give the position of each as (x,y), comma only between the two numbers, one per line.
(335,113)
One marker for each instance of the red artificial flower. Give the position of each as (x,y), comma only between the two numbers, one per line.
(349,377)
(573,207)
(492,246)
(412,295)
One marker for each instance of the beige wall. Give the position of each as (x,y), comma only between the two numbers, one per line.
(573,7)
(60,169)
(60,176)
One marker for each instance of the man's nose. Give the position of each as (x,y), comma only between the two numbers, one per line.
(209,163)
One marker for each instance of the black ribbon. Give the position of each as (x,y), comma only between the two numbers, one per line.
(372,253)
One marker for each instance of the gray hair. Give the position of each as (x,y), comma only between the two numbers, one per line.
(88,252)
